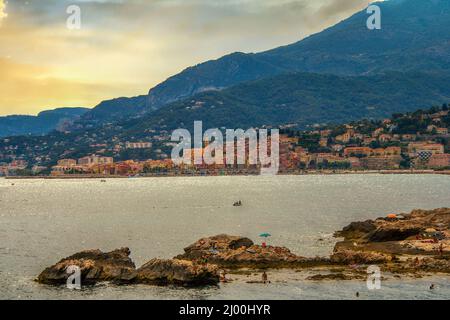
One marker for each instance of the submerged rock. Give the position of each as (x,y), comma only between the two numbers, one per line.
(177,272)
(335,276)
(347,257)
(95,266)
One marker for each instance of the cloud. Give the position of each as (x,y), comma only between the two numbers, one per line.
(125,47)
(3,13)
(31,89)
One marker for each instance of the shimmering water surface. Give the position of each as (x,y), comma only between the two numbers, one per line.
(42,221)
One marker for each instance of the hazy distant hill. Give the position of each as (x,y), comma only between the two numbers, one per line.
(43,123)
(304,99)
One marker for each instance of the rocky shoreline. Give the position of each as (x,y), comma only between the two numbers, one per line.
(411,244)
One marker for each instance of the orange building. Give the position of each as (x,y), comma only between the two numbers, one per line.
(366,151)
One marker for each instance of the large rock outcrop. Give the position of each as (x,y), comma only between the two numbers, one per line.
(177,272)
(95,266)
(397,229)
(381,241)
(222,243)
(238,252)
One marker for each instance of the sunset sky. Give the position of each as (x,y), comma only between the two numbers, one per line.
(125,47)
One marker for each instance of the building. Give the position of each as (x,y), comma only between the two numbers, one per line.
(323,142)
(18,165)
(393,151)
(357,151)
(385,137)
(67,162)
(4,170)
(344,138)
(382,162)
(325,133)
(409,137)
(415,147)
(439,161)
(94,160)
(138,145)
(355,163)
(337,147)
(378,152)
(38,169)
(284,139)
(368,140)
(377,132)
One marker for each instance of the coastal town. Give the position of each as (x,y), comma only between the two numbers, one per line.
(412,141)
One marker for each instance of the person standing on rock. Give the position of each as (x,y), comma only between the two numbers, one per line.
(223,276)
(264,277)
(441,249)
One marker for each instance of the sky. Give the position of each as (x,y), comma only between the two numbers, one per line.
(126,47)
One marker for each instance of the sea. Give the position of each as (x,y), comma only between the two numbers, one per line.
(43,221)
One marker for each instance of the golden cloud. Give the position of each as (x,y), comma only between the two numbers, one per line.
(30,89)
(3,13)
(124,50)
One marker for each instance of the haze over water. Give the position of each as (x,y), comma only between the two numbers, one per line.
(42,221)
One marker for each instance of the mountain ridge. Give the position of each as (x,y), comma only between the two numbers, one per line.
(42,123)
(347,48)
(302,99)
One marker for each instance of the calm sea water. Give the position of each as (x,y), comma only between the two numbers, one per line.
(42,221)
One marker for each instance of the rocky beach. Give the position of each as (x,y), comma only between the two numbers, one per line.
(412,244)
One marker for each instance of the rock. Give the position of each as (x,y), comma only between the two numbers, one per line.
(422,265)
(334,276)
(95,265)
(393,233)
(177,272)
(220,243)
(237,252)
(385,229)
(347,257)
(356,230)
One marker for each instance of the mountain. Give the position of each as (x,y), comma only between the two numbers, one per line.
(303,99)
(43,123)
(412,37)
(113,110)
